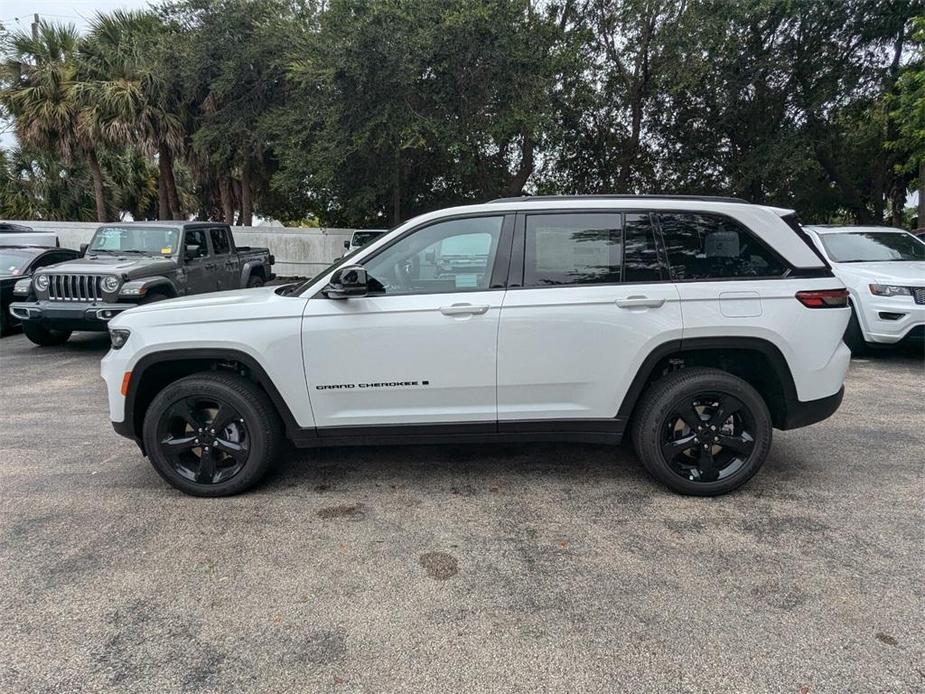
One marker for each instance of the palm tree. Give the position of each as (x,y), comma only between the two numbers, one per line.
(124,90)
(38,79)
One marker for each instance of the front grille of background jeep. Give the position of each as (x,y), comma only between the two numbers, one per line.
(75,287)
(919,294)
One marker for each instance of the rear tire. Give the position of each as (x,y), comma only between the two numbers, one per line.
(702,431)
(181,445)
(45,337)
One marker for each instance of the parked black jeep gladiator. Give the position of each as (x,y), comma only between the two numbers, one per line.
(127,264)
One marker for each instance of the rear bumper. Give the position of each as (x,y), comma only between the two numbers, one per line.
(60,315)
(802,414)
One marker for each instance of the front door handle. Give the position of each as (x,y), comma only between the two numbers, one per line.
(639,302)
(463,310)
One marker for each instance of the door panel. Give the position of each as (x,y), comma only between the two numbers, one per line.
(572,352)
(402,359)
(196,271)
(594,303)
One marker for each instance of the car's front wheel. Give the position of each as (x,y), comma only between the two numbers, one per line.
(212,434)
(702,431)
(45,337)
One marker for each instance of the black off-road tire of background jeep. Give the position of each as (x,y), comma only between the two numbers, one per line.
(261,420)
(254,281)
(656,405)
(45,337)
(152,298)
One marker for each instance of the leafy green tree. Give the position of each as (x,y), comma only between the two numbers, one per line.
(123,85)
(38,76)
(908,113)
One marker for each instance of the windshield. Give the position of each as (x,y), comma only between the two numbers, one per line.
(13,261)
(361,238)
(135,239)
(873,246)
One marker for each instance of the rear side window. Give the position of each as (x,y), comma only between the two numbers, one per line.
(568,249)
(705,246)
(590,248)
(220,244)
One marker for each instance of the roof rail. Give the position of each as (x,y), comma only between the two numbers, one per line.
(609,196)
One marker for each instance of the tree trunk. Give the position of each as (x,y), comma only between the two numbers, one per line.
(163,197)
(396,189)
(166,168)
(247,202)
(519,179)
(922,193)
(224,187)
(98,192)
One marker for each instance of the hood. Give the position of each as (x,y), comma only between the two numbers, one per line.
(237,297)
(902,272)
(129,265)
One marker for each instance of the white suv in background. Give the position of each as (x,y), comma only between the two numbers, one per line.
(884,270)
(695,324)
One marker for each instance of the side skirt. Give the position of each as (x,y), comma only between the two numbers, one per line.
(608,431)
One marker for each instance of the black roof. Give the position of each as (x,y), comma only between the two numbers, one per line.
(622,196)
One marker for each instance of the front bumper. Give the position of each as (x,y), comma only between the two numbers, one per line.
(888,320)
(68,315)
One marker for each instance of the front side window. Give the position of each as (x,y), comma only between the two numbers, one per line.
(705,247)
(876,246)
(456,255)
(194,243)
(572,248)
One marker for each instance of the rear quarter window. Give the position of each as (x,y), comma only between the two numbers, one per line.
(705,247)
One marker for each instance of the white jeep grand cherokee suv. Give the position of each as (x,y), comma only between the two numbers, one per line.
(884,271)
(693,324)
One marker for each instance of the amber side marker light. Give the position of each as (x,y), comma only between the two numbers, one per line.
(823,298)
(126,379)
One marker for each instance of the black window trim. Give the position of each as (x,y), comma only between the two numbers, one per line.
(499,269)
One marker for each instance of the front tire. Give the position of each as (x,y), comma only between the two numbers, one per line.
(854,336)
(45,337)
(702,431)
(212,434)
(254,281)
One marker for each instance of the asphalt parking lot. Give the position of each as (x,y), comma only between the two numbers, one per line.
(432,569)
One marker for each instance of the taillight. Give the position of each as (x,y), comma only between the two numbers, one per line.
(824,298)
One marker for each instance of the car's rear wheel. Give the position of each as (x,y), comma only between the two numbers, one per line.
(702,431)
(212,434)
(45,337)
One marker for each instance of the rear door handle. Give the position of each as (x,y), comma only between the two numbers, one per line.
(463,310)
(639,302)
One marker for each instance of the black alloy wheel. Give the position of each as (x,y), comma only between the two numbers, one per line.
(212,434)
(205,440)
(708,437)
(702,431)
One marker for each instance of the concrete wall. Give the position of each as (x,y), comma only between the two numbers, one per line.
(299,251)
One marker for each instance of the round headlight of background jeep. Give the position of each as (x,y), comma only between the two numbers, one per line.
(41,282)
(110,284)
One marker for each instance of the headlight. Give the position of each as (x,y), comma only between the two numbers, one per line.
(41,282)
(889,290)
(118,337)
(22,287)
(133,289)
(110,284)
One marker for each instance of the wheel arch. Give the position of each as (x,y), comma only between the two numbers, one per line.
(757,361)
(153,372)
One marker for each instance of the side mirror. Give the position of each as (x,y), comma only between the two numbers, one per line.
(83,249)
(191,251)
(346,244)
(346,282)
